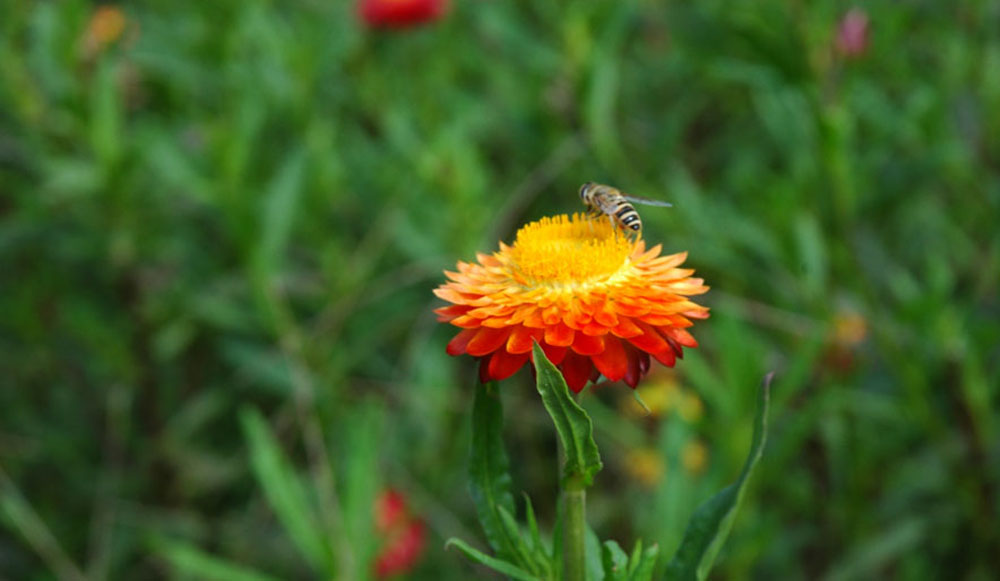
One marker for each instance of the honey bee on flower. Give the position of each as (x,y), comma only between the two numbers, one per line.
(611,202)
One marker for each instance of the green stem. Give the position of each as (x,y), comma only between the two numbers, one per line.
(574,533)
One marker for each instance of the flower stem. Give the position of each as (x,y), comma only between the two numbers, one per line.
(575,529)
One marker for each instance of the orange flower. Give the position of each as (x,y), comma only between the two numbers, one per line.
(596,301)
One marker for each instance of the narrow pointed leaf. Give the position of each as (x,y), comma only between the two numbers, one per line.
(539,551)
(572,423)
(498,565)
(642,564)
(710,525)
(615,562)
(189,561)
(595,566)
(284,491)
(489,479)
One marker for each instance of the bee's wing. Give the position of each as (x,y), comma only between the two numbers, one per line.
(647,201)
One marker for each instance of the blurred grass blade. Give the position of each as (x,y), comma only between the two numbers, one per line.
(191,561)
(284,491)
(280,203)
(709,526)
(21,517)
(489,479)
(499,565)
(572,422)
(360,476)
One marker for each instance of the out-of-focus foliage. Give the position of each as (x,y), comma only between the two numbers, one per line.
(220,223)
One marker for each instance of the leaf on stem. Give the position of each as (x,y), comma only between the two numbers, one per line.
(499,565)
(576,431)
(711,523)
(489,479)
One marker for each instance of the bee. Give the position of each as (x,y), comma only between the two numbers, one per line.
(611,202)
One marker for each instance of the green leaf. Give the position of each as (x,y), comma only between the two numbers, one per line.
(595,566)
(615,562)
(489,479)
(572,422)
(710,524)
(280,206)
(498,565)
(539,552)
(193,562)
(642,563)
(285,492)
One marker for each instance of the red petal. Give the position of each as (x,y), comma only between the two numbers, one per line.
(487,340)
(520,339)
(553,353)
(633,373)
(613,362)
(576,370)
(588,344)
(650,341)
(460,342)
(503,364)
(665,357)
(484,369)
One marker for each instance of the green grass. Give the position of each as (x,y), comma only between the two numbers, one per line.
(240,209)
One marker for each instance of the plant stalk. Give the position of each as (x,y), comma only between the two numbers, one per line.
(575,529)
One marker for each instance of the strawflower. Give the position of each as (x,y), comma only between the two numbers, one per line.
(595,300)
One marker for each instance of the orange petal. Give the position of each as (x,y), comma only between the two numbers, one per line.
(520,339)
(588,344)
(487,340)
(626,328)
(460,342)
(559,335)
(606,316)
(612,362)
(679,335)
(503,364)
(450,312)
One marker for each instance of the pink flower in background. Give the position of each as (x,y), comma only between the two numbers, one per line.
(400,13)
(852,33)
(402,535)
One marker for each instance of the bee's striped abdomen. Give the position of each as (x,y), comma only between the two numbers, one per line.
(628,217)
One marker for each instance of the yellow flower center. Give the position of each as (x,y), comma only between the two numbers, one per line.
(564,251)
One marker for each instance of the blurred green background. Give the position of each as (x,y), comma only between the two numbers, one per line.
(220,223)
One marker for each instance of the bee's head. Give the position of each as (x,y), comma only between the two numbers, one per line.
(583,190)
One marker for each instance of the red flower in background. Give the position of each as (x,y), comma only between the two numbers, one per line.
(402,535)
(400,13)
(852,33)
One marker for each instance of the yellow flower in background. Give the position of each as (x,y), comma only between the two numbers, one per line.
(690,407)
(849,328)
(694,457)
(645,465)
(596,301)
(107,25)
